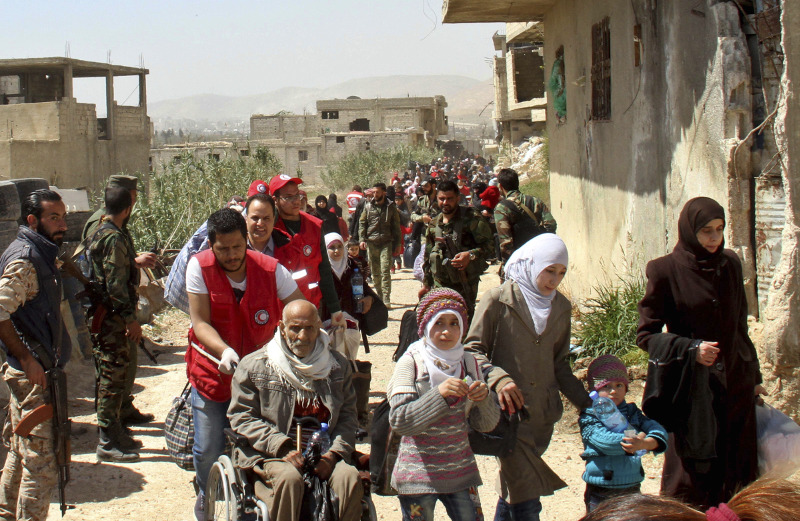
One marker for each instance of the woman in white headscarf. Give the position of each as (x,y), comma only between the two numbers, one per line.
(348,341)
(522,330)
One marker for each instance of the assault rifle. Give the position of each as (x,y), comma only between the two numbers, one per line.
(466,289)
(62,429)
(55,409)
(97,298)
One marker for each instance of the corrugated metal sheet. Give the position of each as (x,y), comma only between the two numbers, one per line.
(770,221)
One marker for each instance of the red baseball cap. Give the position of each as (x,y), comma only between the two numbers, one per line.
(258,187)
(279,181)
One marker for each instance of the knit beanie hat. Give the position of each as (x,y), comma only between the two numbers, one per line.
(437,300)
(605,369)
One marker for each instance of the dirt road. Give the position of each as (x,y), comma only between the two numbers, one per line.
(156,489)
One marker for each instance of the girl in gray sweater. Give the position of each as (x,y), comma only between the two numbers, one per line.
(435,389)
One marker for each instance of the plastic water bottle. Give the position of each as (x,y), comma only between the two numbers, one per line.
(607,412)
(357,282)
(320,438)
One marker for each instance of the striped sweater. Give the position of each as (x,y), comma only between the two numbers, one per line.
(434,454)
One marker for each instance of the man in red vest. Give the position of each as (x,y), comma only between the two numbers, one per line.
(235,300)
(353,198)
(306,256)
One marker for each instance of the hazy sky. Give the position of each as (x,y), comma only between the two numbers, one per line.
(237,47)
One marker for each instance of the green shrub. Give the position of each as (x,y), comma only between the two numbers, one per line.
(182,197)
(537,187)
(368,168)
(609,321)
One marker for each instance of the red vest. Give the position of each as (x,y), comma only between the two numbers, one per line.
(303,253)
(353,198)
(245,326)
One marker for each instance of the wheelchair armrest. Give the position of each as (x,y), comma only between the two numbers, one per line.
(237,439)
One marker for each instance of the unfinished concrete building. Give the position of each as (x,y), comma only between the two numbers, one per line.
(45,132)
(519,90)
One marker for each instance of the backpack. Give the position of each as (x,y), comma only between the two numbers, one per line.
(408,333)
(525,224)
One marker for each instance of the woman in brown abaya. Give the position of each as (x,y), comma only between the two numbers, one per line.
(703,376)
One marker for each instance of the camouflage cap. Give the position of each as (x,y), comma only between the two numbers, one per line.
(128,182)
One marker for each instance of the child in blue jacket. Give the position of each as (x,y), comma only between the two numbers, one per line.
(612,467)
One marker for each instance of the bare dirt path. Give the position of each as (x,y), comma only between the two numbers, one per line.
(156,489)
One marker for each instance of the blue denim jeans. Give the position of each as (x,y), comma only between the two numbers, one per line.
(210,418)
(417,507)
(525,511)
(595,495)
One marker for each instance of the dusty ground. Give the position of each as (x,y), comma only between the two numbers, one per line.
(156,489)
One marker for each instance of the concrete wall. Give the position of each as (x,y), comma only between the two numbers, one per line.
(59,141)
(290,127)
(358,142)
(385,114)
(617,186)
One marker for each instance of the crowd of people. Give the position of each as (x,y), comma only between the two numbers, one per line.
(278,292)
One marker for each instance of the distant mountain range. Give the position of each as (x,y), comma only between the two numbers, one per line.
(466,97)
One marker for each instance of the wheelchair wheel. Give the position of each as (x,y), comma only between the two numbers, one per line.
(221,503)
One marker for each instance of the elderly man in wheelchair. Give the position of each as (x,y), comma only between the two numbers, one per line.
(295,375)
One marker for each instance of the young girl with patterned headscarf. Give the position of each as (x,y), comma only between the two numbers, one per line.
(436,389)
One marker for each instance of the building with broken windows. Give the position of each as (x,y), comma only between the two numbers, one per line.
(306,143)
(519,90)
(46,132)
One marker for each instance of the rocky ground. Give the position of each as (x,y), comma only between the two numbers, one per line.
(155,488)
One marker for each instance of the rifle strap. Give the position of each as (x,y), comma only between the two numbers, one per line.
(521,207)
(41,354)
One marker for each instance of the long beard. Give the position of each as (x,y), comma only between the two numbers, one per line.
(41,231)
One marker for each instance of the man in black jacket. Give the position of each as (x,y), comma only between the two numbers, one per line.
(33,336)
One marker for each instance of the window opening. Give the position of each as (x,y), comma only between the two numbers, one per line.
(601,70)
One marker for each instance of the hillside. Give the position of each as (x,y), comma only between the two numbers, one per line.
(465,97)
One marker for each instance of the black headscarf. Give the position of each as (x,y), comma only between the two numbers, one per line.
(696,214)
(333,203)
(319,199)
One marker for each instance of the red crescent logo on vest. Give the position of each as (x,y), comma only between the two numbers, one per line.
(307,250)
(262,317)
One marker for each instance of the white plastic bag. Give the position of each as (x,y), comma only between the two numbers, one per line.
(778,440)
(346,341)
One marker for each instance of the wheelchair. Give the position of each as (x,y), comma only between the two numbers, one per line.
(230,491)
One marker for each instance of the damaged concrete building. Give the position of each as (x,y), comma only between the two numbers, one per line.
(307,143)
(653,103)
(45,132)
(519,89)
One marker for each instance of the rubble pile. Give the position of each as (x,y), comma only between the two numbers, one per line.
(530,159)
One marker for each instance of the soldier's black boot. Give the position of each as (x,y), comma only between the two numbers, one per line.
(136,417)
(112,447)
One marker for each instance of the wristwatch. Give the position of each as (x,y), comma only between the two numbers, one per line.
(472,256)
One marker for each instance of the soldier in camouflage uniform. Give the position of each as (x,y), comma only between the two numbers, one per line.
(129,413)
(518,217)
(30,315)
(473,240)
(114,327)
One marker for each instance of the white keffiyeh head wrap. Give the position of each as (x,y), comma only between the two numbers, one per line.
(301,373)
